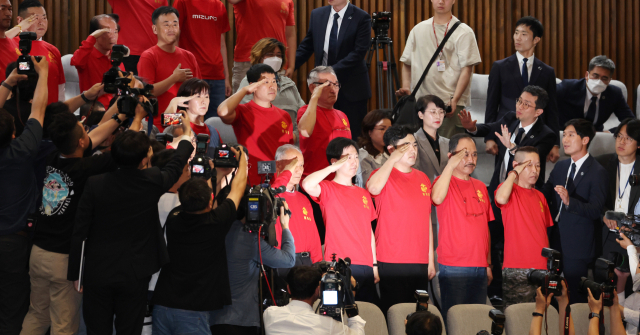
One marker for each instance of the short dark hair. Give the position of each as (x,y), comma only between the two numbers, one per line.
(163,157)
(453,141)
(395,134)
(192,86)
(156,146)
(164,10)
(368,123)
(26,4)
(7,128)
(256,71)
(540,93)
(303,281)
(424,101)
(95,117)
(337,145)
(583,127)
(50,112)
(65,132)
(533,24)
(94,23)
(129,149)
(633,128)
(194,194)
(423,323)
(603,62)
(527,150)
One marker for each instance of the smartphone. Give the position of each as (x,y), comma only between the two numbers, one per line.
(171,119)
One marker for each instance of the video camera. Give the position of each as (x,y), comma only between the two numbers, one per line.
(550,280)
(111,79)
(380,24)
(337,294)
(605,280)
(497,323)
(25,64)
(199,165)
(627,224)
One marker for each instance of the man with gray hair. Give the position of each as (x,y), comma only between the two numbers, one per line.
(592,97)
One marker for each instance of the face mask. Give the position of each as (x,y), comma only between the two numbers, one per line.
(274,62)
(596,86)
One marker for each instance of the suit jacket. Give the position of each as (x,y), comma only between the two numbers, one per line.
(572,94)
(354,40)
(610,164)
(505,87)
(579,223)
(118,217)
(539,136)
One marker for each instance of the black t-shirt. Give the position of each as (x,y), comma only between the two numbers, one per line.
(63,186)
(19,120)
(196,277)
(435,144)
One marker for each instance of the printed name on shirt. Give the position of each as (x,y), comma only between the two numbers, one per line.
(284,128)
(541,207)
(425,190)
(365,202)
(204,17)
(52,58)
(284,9)
(346,124)
(479,196)
(305,212)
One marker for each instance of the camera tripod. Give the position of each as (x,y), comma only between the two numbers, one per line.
(387,63)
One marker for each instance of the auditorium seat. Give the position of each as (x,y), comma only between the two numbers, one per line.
(580,315)
(376,324)
(518,319)
(398,313)
(613,119)
(72,85)
(603,143)
(470,319)
(226,131)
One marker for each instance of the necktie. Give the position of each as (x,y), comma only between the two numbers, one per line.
(525,73)
(591,112)
(518,139)
(333,41)
(569,185)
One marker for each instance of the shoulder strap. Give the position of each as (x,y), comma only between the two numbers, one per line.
(433,58)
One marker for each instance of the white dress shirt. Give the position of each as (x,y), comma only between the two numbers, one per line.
(529,63)
(503,173)
(587,103)
(298,318)
(624,189)
(327,34)
(578,163)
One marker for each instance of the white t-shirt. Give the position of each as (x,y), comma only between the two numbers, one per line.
(622,204)
(461,50)
(167,203)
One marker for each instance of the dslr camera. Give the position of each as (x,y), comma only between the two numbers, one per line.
(200,163)
(422,301)
(164,138)
(380,24)
(605,280)
(550,280)
(497,323)
(25,64)
(224,157)
(337,293)
(627,224)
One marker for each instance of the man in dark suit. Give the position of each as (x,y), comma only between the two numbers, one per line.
(507,80)
(118,218)
(576,192)
(621,196)
(339,35)
(592,97)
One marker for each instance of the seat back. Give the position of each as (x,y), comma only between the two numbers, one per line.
(398,313)
(376,324)
(478,90)
(580,316)
(621,86)
(469,319)
(518,319)
(226,131)
(72,85)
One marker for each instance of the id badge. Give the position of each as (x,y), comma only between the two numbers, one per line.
(440,64)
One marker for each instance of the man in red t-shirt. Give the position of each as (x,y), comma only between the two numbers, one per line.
(93,58)
(210,49)
(258,125)
(164,65)
(138,34)
(464,211)
(8,47)
(255,20)
(34,17)
(405,263)
(289,167)
(526,217)
(348,211)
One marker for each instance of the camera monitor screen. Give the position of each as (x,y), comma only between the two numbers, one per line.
(330,297)
(223,153)
(197,168)
(254,213)
(23,66)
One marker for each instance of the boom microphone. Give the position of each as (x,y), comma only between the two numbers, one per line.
(615,216)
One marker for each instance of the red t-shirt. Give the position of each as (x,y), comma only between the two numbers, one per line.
(202,22)
(525,218)
(347,212)
(330,124)
(257,19)
(156,65)
(463,216)
(302,224)
(200,129)
(91,66)
(9,53)
(262,131)
(135,19)
(56,72)
(402,233)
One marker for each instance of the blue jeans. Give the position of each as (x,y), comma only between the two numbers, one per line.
(461,285)
(216,96)
(167,321)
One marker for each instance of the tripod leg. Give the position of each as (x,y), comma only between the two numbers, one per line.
(379,77)
(394,69)
(370,53)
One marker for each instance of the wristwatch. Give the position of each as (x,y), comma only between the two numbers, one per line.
(86,100)
(593,315)
(115,117)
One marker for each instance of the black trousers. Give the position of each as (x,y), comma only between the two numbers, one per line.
(131,63)
(355,111)
(364,276)
(126,301)
(234,330)
(398,282)
(15,286)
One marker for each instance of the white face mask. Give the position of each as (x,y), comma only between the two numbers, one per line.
(596,86)
(274,62)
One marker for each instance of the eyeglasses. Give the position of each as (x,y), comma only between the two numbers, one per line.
(436,112)
(625,139)
(336,84)
(524,103)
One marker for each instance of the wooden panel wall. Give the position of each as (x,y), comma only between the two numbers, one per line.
(575,30)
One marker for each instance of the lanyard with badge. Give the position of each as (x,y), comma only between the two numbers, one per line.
(620,196)
(440,63)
